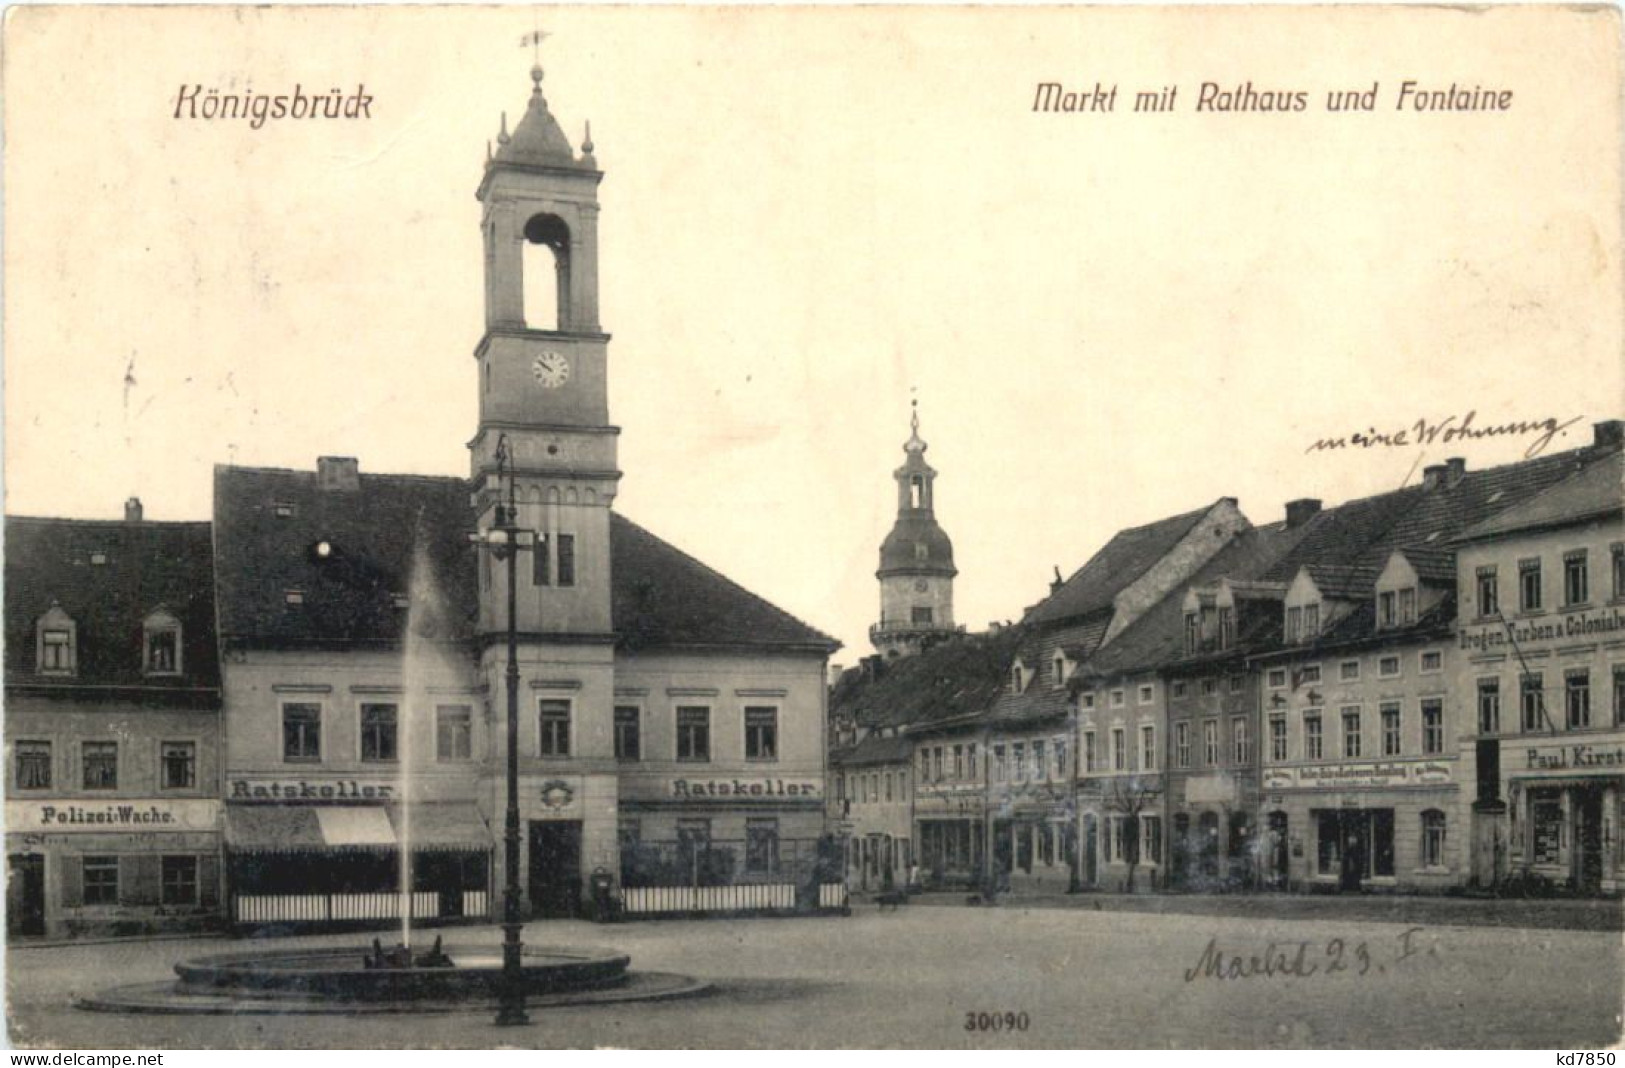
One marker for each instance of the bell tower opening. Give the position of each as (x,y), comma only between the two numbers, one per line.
(545,271)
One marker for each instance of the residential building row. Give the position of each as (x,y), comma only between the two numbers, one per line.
(1422,690)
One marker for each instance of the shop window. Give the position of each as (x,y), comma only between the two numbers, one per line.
(1432,838)
(762,846)
(1182,744)
(1382,842)
(179,880)
(1148,748)
(1529,589)
(101,880)
(301,731)
(100,765)
(1532,701)
(1351,732)
(1151,839)
(453,733)
(628,733)
(1577,698)
(33,765)
(1313,743)
(1489,706)
(693,732)
(1210,742)
(56,652)
(1329,842)
(1241,743)
(1576,582)
(555,727)
(161,644)
(178,765)
(380,732)
(1432,726)
(1278,738)
(1489,592)
(1546,826)
(761,733)
(1390,729)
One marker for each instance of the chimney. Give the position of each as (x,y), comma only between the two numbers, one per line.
(338,474)
(1302,510)
(1455,469)
(1610,433)
(132,510)
(835,672)
(1057,582)
(1432,476)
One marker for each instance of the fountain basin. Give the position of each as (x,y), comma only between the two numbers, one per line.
(342,975)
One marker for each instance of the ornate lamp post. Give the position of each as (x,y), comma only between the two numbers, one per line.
(504,540)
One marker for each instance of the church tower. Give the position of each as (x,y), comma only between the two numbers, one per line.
(543,382)
(916,562)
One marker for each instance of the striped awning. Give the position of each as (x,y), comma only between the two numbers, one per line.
(435,826)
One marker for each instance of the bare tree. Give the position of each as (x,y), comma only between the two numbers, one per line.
(1130,796)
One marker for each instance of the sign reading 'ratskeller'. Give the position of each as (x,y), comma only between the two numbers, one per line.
(307,790)
(729,789)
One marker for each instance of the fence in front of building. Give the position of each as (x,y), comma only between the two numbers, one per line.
(765,874)
(339,908)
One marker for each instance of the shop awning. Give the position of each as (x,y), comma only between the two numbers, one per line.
(446,826)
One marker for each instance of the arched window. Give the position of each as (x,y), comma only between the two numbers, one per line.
(161,644)
(545,273)
(56,649)
(1433,829)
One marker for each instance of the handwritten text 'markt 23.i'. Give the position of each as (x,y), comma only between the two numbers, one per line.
(198,102)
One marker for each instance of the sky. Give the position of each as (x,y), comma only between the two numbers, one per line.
(812,218)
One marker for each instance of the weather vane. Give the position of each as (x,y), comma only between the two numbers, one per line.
(534,39)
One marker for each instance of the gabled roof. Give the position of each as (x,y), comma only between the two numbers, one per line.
(874,749)
(1435,567)
(1157,638)
(1122,560)
(955,678)
(147,566)
(1342,582)
(660,596)
(1593,492)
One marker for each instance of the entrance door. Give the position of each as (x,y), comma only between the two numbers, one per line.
(25,895)
(555,868)
(1588,839)
(1278,850)
(1091,871)
(1356,847)
(1180,861)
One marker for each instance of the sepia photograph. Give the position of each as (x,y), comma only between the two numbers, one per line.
(814,527)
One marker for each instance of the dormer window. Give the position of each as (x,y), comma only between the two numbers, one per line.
(1060,670)
(56,645)
(1294,624)
(1407,605)
(161,644)
(1016,678)
(1227,627)
(1387,608)
(1311,621)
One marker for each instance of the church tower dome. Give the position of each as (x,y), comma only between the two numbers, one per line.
(916,561)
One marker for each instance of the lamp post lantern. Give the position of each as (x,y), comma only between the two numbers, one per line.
(505,541)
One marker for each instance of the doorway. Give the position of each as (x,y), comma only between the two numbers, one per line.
(555,868)
(25,895)
(1356,846)
(1277,851)
(1091,873)
(1588,840)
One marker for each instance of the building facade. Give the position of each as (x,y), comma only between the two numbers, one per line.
(112,692)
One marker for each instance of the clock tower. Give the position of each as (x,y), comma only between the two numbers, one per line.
(543,378)
(916,562)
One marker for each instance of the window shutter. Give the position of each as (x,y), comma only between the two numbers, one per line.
(208,880)
(73,881)
(139,875)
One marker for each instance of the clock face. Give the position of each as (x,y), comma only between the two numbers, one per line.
(551,369)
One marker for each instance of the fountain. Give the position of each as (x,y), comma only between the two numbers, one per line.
(348,980)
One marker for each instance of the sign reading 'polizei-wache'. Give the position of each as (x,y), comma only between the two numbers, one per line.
(66,817)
